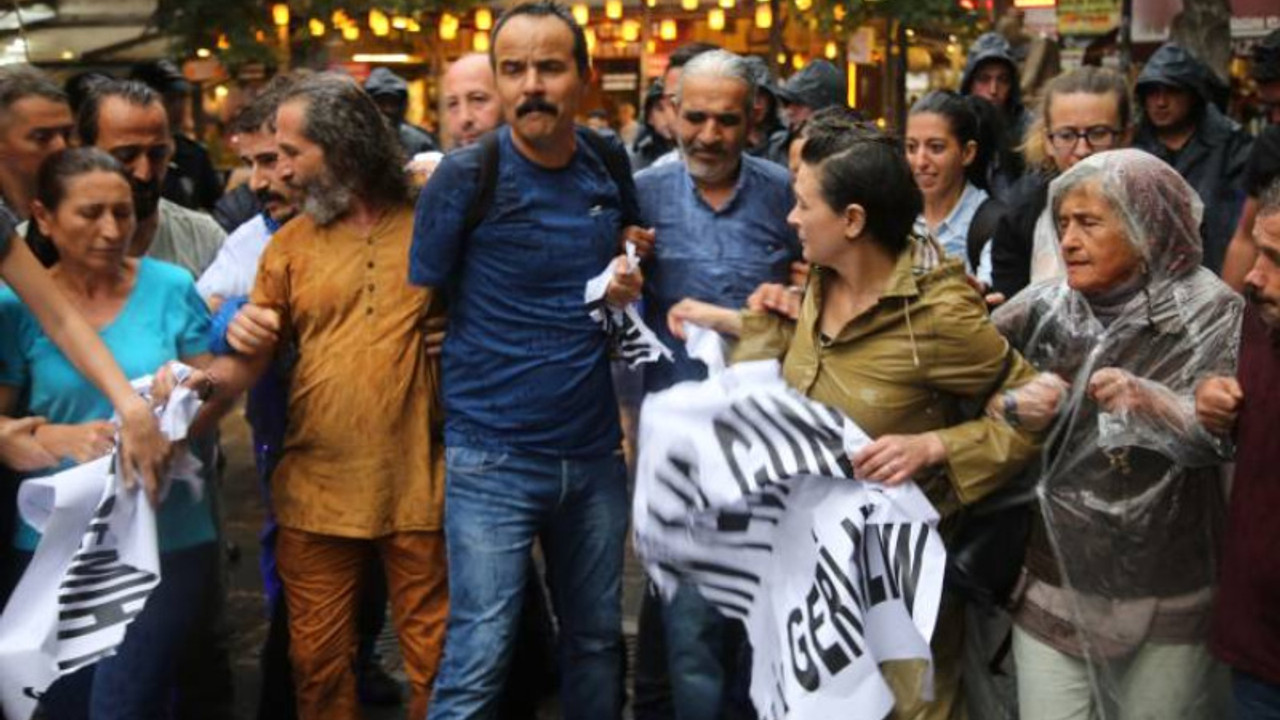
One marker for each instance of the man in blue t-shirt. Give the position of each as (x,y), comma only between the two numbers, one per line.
(720,222)
(531,422)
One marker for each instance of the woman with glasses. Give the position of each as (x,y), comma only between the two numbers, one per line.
(1082,112)
(950,143)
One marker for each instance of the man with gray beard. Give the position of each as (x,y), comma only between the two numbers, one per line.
(361,472)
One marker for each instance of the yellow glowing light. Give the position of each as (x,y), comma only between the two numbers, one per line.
(223,42)
(316,26)
(651,46)
(280,13)
(68,55)
(804,5)
(689,5)
(448,26)
(340,18)
(414,27)
(838,12)
(379,23)
(613,9)
(630,30)
(203,53)
(484,18)
(668,30)
(797,61)
(220,92)
(715,19)
(831,50)
(853,85)
(581,13)
(764,16)
(727,4)
(351,33)
(651,3)
(400,22)
(782,58)
(591,40)
(260,36)
(480,42)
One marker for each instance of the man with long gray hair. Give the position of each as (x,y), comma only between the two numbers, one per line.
(360,471)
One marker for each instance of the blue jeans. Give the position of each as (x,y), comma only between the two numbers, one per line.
(138,681)
(496,503)
(1254,698)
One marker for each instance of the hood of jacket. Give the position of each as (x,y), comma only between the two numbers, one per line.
(993,46)
(1173,66)
(384,82)
(817,86)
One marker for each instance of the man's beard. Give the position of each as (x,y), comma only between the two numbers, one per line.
(325,198)
(146,198)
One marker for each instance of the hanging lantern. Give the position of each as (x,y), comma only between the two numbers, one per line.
(400,22)
(280,14)
(804,5)
(831,50)
(764,16)
(651,3)
(340,19)
(613,9)
(797,61)
(414,27)
(838,12)
(727,4)
(651,46)
(630,30)
(316,26)
(667,30)
(351,33)
(689,5)
(379,23)
(448,26)
(484,18)
(480,42)
(223,42)
(715,19)
(581,13)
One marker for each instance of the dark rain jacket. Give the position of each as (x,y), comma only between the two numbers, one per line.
(414,140)
(1213,161)
(1008,165)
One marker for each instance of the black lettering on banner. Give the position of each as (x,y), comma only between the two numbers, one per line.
(908,564)
(807,674)
(102,616)
(823,442)
(844,621)
(775,461)
(731,438)
(833,657)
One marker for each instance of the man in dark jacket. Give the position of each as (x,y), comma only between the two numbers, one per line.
(991,73)
(768,137)
(391,93)
(192,181)
(1181,125)
(819,85)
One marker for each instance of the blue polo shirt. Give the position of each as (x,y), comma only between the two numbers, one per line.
(524,367)
(718,256)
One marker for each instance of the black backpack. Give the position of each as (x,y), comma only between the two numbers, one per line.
(982,228)
(615,162)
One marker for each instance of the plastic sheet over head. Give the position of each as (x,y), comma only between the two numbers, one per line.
(1129,484)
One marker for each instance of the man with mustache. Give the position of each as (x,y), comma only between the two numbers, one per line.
(1244,632)
(360,472)
(531,420)
(720,231)
(127,119)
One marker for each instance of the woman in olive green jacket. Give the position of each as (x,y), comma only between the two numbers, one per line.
(890,332)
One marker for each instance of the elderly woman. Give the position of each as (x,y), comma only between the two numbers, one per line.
(1119,567)
(147,313)
(890,332)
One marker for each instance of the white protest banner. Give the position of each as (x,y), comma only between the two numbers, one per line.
(95,566)
(745,490)
(633,341)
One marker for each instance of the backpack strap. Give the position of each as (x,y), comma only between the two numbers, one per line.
(981,228)
(486,182)
(618,165)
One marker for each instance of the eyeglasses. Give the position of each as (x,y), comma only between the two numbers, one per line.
(1098,136)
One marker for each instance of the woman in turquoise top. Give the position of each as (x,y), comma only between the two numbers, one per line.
(147,313)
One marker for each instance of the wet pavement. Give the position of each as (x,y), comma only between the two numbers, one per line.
(242,510)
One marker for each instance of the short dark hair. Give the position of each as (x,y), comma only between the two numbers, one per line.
(360,147)
(546,8)
(261,111)
(1089,80)
(133,92)
(55,174)
(970,119)
(867,168)
(1269,199)
(19,82)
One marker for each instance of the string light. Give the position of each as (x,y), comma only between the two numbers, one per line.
(379,23)
(667,30)
(764,16)
(480,42)
(581,13)
(316,26)
(715,19)
(280,14)
(448,26)
(484,18)
(613,9)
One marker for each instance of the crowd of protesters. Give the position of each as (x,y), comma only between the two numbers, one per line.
(1058,317)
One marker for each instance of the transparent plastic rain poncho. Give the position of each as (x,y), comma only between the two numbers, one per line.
(1132,499)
